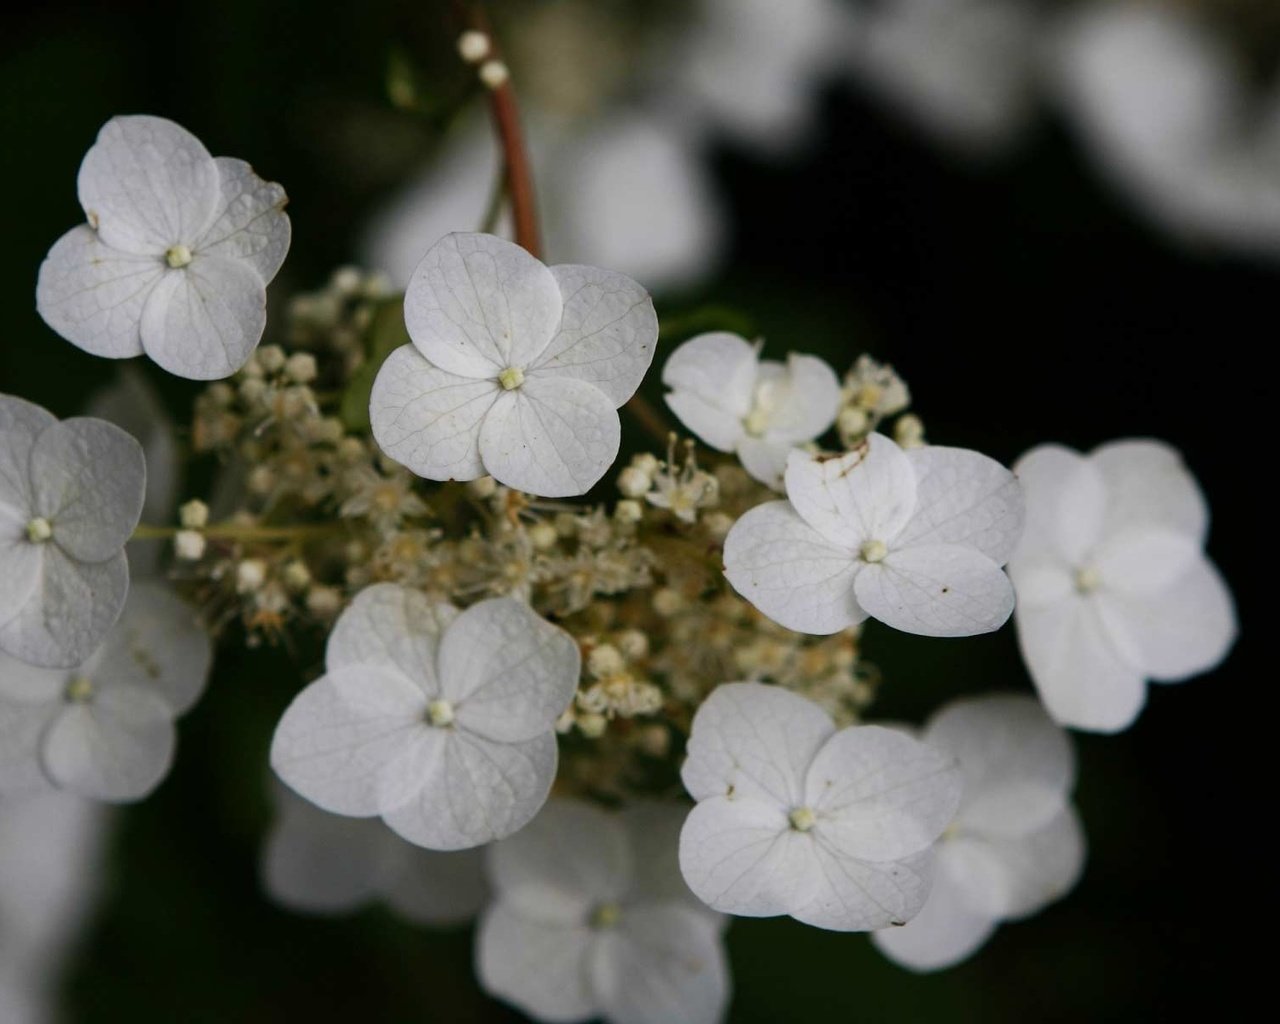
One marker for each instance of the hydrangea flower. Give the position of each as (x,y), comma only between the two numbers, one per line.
(1015,844)
(516,369)
(176,257)
(591,920)
(440,721)
(70,495)
(912,538)
(1113,585)
(105,729)
(793,817)
(323,863)
(761,410)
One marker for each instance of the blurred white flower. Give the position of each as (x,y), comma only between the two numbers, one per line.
(915,539)
(1015,844)
(105,729)
(733,401)
(1113,586)
(591,919)
(793,817)
(440,721)
(323,863)
(70,495)
(516,369)
(176,256)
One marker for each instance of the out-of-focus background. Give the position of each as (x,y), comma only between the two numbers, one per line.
(1059,221)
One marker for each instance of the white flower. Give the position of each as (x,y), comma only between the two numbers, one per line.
(105,729)
(793,817)
(1113,586)
(1015,844)
(761,410)
(516,369)
(176,257)
(323,863)
(70,496)
(440,721)
(915,539)
(592,920)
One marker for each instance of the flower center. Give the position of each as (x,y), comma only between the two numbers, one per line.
(764,404)
(39,530)
(79,690)
(440,713)
(511,378)
(606,915)
(802,819)
(177,256)
(1088,579)
(873,551)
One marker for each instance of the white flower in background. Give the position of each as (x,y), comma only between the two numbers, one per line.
(516,369)
(440,721)
(733,401)
(322,863)
(591,920)
(176,257)
(1015,845)
(1113,585)
(915,539)
(70,495)
(105,729)
(793,817)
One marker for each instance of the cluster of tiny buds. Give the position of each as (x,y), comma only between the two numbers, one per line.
(476,48)
(871,393)
(676,485)
(338,316)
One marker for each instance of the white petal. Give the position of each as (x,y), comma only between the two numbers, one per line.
(249,222)
(552,436)
(742,856)
(1079,672)
(608,332)
(24,716)
(536,965)
(115,747)
(963,497)
(719,368)
(1018,766)
(147,184)
(89,481)
(427,419)
(791,572)
(1143,561)
(477,304)
(21,422)
(806,399)
(654,831)
(1147,486)
(433,888)
(946,931)
(660,964)
(866,494)
(393,627)
(481,791)
(766,461)
(860,896)
(754,741)
(879,794)
(936,590)
(20,562)
(1066,500)
(69,610)
(204,321)
(715,426)
(93,295)
(509,673)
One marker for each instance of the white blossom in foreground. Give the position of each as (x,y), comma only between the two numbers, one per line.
(516,369)
(105,729)
(440,721)
(70,495)
(912,538)
(722,391)
(176,256)
(793,817)
(591,920)
(1113,585)
(1015,845)
(323,863)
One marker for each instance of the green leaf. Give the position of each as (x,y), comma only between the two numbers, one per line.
(386,334)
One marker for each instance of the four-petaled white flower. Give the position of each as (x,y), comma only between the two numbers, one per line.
(793,817)
(761,410)
(591,920)
(105,729)
(321,863)
(71,493)
(1015,845)
(516,369)
(1113,585)
(915,539)
(176,257)
(440,721)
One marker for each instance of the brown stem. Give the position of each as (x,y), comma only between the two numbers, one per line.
(648,417)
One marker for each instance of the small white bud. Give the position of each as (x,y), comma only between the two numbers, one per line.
(543,536)
(633,643)
(634,482)
(853,422)
(250,575)
(718,524)
(494,74)
(252,390)
(220,393)
(483,487)
(605,660)
(324,601)
(194,515)
(647,464)
(473,46)
(296,576)
(346,280)
(629,511)
(301,367)
(667,602)
(189,545)
(909,431)
(271,358)
(262,480)
(592,725)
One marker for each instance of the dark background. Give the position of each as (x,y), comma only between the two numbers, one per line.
(1022,302)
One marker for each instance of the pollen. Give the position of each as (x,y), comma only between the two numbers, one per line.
(606,915)
(873,551)
(1087,579)
(440,713)
(79,690)
(39,530)
(802,819)
(177,256)
(511,378)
